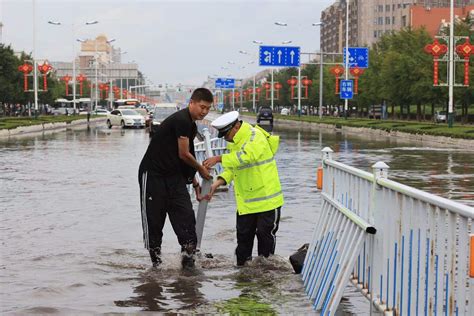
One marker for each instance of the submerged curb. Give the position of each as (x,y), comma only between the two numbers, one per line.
(21,130)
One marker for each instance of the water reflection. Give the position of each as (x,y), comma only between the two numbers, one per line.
(156,292)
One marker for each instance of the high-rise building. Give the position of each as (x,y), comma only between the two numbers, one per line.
(370,19)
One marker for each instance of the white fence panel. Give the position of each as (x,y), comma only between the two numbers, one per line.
(418,261)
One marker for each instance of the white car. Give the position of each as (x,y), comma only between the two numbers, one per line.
(125,118)
(285,111)
(101,112)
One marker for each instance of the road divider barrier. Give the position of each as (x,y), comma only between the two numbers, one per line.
(406,250)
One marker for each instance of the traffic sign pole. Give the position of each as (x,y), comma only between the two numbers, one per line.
(271,91)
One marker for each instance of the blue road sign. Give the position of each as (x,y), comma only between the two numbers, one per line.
(347,89)
(225,83)
(358,56)
(279,56)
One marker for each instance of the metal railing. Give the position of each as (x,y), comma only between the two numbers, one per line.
(203,150)
(418,260)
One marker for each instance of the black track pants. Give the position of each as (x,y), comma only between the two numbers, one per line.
(166,195)
(265,226)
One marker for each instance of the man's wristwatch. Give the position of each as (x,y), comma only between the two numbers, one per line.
(195,186)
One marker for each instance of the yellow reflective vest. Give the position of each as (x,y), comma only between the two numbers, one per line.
(250,163)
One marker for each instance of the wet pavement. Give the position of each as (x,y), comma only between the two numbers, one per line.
(71,226)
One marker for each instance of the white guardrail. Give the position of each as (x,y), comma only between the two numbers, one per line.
(407,250)
(203,150)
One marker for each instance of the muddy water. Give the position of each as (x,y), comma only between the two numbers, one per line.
(71,229)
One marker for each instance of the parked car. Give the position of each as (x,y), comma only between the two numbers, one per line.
(125,118)
(160,113)
(285,111)
(101,112)
(440,116)
(265,114)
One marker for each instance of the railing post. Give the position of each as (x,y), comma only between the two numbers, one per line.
(327,154)
(376,218)
(205,187)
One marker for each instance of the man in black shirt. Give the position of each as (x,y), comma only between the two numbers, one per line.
(168,165)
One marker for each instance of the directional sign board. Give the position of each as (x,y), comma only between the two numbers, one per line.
(347,89)
(279,56)
(225,83)
(358,57)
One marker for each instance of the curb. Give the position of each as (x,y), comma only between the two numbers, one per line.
(22,130)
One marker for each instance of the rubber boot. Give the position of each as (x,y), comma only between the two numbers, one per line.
(155,256)
(188,252)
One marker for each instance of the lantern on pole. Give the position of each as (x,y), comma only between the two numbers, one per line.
(81,78)
(306,83)
(257,93)
(45,68)
(292,82)
(116,91)
(356,72)
(436,50)
(465,50)
(25,69)
(337,71)
(125,93)
(267,87)
(66,80)
(277,87)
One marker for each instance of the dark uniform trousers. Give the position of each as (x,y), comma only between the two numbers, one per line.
(166,195)
(265,226)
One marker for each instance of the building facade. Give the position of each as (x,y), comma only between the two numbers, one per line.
(370,19)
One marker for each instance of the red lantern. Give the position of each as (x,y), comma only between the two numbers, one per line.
(66,80)
(465,50)
(337,71)
(277,86)
(292,82)
(257,94)
(267,86)
(25,69)
(81,78)
(356,72)
(116,91)
(124,93)
(45,68)
(436,50)
(306,83)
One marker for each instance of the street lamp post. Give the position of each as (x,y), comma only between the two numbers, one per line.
(346,66)
(451,65)
(320,24)
(73,57)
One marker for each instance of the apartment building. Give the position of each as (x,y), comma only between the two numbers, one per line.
(370,19)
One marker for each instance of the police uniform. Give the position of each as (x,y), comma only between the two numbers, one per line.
(163,177)
(250,163)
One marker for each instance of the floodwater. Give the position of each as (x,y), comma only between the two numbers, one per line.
(71,239)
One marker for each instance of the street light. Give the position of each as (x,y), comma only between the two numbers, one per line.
(96,63)
(57,23)
(253,94)
(257,42)
(320,24)
(286,42)
(281,24)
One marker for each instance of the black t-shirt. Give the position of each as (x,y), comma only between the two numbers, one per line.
(162,155)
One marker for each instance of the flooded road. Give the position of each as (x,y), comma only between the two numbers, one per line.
(71,227)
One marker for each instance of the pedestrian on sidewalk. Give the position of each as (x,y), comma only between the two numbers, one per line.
(168,166)
(250,163)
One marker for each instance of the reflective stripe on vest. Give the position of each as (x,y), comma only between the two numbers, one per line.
(263,198)
(255,164)
(240,153)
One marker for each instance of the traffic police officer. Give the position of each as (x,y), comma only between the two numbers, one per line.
(250,163)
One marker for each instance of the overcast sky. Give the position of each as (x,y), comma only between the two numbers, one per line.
(172,41)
